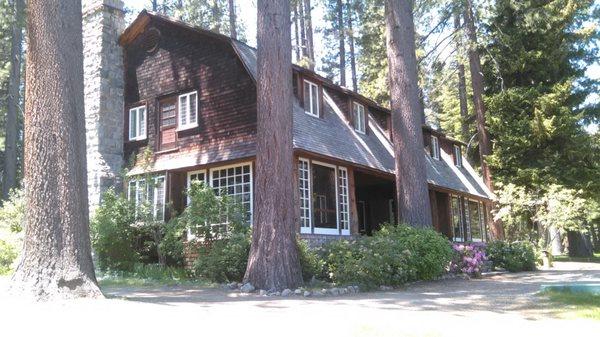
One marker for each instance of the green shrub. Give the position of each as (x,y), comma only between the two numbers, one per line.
(224,260)
(8,254)
(393,256)
(113,236)
(171,244)
(430,251)
(312,263)
(513,256)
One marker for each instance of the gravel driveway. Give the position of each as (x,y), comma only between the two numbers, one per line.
(497,305)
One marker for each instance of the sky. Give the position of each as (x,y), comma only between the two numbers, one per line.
(246,11)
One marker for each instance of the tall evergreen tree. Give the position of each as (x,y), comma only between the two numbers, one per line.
(56,261)
(352,6)
(274,261)
(411,181)
(334,60)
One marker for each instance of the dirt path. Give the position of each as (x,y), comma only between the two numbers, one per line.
(495,305)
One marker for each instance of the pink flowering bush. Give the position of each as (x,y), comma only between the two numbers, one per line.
(468,258)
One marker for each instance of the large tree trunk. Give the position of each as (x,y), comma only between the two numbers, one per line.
(342,42)
(232,25)
(274,261)
(309,34)
(580,244)
(14,86)
(462,84)
(411,181)
(351,42)
(56,260)
(303,47)
(485,148)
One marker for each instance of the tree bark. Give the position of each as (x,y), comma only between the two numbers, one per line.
(56,261)
(580,244)
(462,84)
(485,148)
(274,262)
(232,19)
(411,181)
(342,42)
(309,34)
(351,43)
(9,180)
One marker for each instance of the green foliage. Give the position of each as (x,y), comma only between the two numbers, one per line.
(8,254)
(311,261)
(393,256)
(514,256)
(225,259)
(145,274)
(12,212)
(113,236)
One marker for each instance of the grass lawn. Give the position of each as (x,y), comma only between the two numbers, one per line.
(574,305)
(148,275)
(567,258)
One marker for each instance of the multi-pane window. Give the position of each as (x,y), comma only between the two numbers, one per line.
(457,228)
(235,181)
(359,117)
(457,156)
(343,199)
(137,123)
(435,147)
(311,98)
(152,192)
(188,110)
(324,198)
(475,220)
(195,176)
(304,184)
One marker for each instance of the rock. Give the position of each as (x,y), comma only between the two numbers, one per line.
(306,293)
(356,289)
(298,292)
(286,292)
(343,291)
(275,293)
(262,292)
(351,289)
(385,288)
(232,286)
(247,288)
(334,291)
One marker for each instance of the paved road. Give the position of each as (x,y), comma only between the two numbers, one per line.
(497,305)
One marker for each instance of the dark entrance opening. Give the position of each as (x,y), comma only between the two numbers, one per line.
(374,201)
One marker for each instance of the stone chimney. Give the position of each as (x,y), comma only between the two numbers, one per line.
(103,22)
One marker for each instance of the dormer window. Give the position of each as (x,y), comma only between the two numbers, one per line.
(457,156)
(188,110)
(137,123)
(435,147)
(311,98)
(359,117)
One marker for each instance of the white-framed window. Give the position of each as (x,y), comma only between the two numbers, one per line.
(435,147)
(235,181)
(360,124)
(140,191)
(344,210)
(199,175)
(457,156)
(311,98)
(304,185)
(137,123)
(324,198)
(457,219)
(188,110)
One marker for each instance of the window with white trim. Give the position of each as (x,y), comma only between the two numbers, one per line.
(435,147)
(140,192)
(457,223)
(359,117)
(304,184)
(137,123)
(235,181)
(195,176)
(343,199)
(324,198)
(188,110)
(311,98)
(457,156)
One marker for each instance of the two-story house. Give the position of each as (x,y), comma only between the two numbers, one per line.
(189,97)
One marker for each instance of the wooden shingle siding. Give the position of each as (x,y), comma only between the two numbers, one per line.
(185,62)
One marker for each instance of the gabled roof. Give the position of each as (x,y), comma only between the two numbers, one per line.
(330,136)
